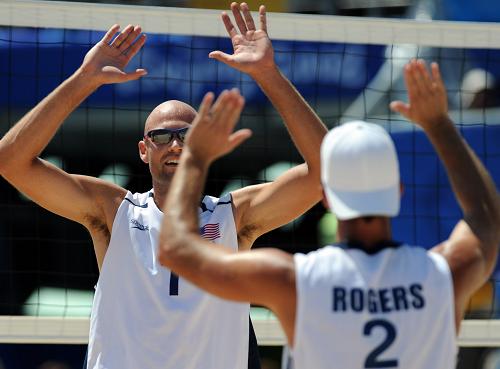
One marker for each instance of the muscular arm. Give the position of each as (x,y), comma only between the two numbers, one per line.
(74,197)
(266,207)
(262,208)
(265,277)
(472,248)
(89,201)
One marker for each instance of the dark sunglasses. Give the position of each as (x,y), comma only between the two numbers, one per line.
(165,136)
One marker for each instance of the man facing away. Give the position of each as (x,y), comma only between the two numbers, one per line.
(143,315)
(369,301)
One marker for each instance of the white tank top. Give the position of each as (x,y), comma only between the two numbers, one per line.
(145,317)
(392,309)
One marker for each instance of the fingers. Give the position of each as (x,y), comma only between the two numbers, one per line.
(436,73)
(130,38)
(401,108)
(235,8)
(115,75)
(222,109)
(413,79)
(262,18)
(136,46)
(436,76)
(421,83)
(122,36)
(127,42)
(234,111)
(425,77)
(218,104)
(138,73)
(227,109)
(217,121)
(426,93)
(238,137)
(222,115)
(229,25)
(410,83)
(244,22)
(248,17)
(421,76)
(222,57)
(111,32)
(206,104)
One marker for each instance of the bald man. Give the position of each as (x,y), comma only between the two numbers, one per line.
(144,316)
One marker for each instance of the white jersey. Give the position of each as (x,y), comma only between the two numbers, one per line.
(145,317)
(391,309)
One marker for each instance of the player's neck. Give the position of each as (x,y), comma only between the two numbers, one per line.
(369,232)
(160,189)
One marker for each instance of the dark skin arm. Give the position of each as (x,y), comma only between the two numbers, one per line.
(472,248)
(265,276)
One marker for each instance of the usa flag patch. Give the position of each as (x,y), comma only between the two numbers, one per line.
(210,231)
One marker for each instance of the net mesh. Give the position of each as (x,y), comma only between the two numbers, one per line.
(347,68)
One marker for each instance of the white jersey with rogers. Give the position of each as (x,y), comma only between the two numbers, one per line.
(391,309)
(146,317)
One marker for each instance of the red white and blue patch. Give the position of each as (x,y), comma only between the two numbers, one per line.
(210,231)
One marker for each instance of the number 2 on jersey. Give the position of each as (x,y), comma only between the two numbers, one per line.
(372,360)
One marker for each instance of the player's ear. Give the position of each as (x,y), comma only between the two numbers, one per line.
(143,152)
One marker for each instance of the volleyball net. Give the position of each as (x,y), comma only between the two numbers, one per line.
(347,68)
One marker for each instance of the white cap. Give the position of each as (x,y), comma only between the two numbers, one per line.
(360,171)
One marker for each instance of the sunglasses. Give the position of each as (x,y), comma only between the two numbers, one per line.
(165,136)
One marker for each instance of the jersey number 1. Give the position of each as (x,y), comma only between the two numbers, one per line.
(372,360)
(174,284)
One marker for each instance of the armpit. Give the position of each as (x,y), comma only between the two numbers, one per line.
(98,227)
(247,235)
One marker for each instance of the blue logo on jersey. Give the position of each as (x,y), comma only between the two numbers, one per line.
(139,226)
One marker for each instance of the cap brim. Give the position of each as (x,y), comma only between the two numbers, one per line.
(350,204)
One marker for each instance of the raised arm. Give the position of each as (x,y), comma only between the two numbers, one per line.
(265,277)
(472,248)
(86,200)
(256,205)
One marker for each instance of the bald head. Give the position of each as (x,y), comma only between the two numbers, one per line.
(170,111)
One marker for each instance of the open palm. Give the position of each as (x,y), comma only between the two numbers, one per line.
(106,61)
(217,121)
(428,101)
(253,50)
(255,47)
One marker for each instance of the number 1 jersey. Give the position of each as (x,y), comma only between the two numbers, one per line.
(146,317)
(390,309)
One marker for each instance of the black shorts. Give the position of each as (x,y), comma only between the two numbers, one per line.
(253,348)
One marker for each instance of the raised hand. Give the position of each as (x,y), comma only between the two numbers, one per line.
(211,135)
(253,52)
(428,104)
(106,61)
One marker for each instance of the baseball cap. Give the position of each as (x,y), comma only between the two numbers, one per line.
(360,171)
